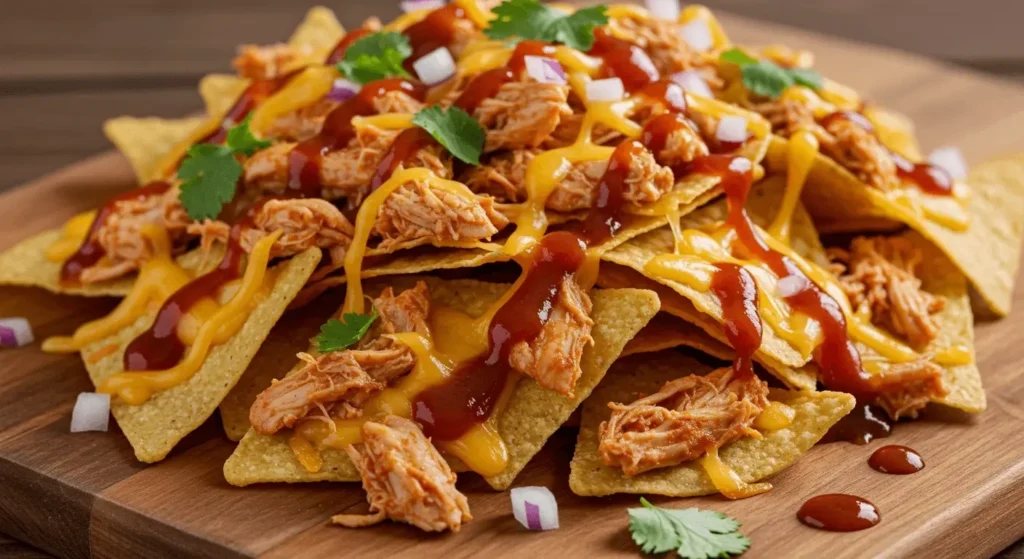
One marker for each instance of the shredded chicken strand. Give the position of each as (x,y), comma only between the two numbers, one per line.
(860,151)
(523,114)
(906,388)
(418,211)
(265,62)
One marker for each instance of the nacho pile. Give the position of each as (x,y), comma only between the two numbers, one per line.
(520,211)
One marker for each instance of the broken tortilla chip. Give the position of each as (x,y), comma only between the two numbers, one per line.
(156,426)
(532,415)
(753,459)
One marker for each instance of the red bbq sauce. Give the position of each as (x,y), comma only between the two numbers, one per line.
(836,512)
(439,29)
(865,423)
(257,92)
(737,291)
(623,60)
(896,459)
(338,52)
(91,251)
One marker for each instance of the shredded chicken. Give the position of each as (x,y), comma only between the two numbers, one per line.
(301,124)
(663,41)
(405,479)
(906,388)
(879,274)
(682,421)
(121,234)
(683,145)
(340,382)
(257,62)
(787,116)
(523,114)
(418,211)
(553,357)
(859,151)
(305,223)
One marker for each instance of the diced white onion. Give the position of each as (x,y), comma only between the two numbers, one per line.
(414,5)
(697,35)
(692,81)
(951,160)
(435,67)
(732,128)
(15,332)
(535,508)
(664,9)
(741,165)
(609,89)
(91,413)
(544,69)
(791,285)
(343,89)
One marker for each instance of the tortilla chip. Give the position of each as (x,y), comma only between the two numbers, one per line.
(753,459)
(702,307)
(155,427)
(532,415)
(895,130)
(987,252)
(318,33)
(220,91)
(145,141)
(666,331)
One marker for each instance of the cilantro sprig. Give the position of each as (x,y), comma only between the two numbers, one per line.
(529,19)
(767,78)
(336,335)
(375,57)
(692,533)
(454,129)
(210,172)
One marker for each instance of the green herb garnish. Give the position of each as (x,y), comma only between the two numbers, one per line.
(210,172)
(336,335)
(767,78)
(692,533)
(375,57)
(454,129)
(529,19)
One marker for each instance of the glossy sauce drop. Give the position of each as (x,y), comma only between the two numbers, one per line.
(836,512)
(896,459)
(861,426)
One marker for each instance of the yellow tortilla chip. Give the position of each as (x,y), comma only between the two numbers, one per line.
(145,141)
(895,130)
(155,427)
(753,459)
(702,307)
(318,33)
(987,252)
(666,331)
(533,414)
(220,91)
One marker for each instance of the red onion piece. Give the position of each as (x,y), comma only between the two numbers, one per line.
(544,69)
(951,160)
(435,67)
(732,128)
(609,89)
(697,35)
(15,332)
(414,5)
(664,9)
(535,508)
(693,82)
(343,90)
(91,413)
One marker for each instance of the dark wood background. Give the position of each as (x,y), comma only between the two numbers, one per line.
(66,65)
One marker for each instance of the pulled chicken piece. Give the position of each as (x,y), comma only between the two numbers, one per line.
(523,114)
(860,151)
(301,124)
(339,383)
(786,116)
(906,388)
(879,274)
(264,62)
(553,357)
(306,223)
(418,211)
(405,479)
(121,234)
(682,421)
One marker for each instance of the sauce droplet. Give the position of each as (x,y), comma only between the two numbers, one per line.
(836,512)
(861,426)
(896,459)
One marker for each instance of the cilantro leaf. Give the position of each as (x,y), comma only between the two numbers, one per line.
(210,174)
(375,57)
(454,129)
(768,79)
(529,19)
(692,533)
(336,335)
(241,140)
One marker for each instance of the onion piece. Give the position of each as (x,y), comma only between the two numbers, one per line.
(91,413)
(732,128)
(791,285)
(544,69)
(664,9)
(343,90)
(435,67)
(693,81)
(609,89)
(951,160)
(535,508)
(415,5)
(697,35)
(15,332)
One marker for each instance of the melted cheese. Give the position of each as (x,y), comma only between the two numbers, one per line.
(480,16)
(954,356)
(727,481)
(800,155)
(774,416)
(72,235)
(309,87)
(392,121)
(136,387)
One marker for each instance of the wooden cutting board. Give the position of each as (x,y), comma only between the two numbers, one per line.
(76,494)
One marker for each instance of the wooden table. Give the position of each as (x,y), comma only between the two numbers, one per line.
(83,62)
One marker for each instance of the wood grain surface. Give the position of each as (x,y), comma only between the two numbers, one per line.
(76,495)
